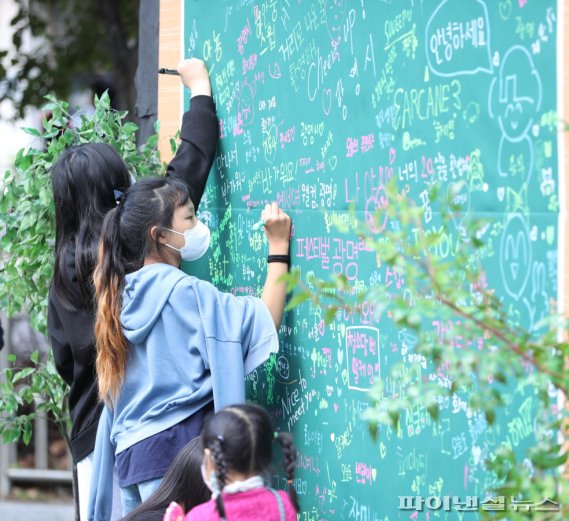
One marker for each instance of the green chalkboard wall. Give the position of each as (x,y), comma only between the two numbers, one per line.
(321,102)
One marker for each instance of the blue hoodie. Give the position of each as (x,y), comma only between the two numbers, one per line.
(189,344)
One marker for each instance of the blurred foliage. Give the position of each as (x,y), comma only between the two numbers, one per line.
(27,246)
(58,44)
(483,355)
(27,204)
(39,386)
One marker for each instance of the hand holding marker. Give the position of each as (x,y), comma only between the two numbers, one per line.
(194,76)
(258,225)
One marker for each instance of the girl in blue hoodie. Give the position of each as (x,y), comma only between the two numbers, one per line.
(169,344)
(84,180)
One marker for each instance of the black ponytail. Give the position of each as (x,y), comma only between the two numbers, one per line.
(221,474)
(109,281)
(289,463)
(124,244)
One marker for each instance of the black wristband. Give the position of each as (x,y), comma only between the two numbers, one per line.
(285,259)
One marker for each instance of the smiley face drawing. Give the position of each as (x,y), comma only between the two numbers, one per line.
(519,94)
(515,256)
(335,17)
(247,105)
(514,101)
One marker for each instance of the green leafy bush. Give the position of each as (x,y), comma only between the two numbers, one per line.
(27,238)
(26,202)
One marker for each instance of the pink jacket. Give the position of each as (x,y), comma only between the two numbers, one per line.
(259,503)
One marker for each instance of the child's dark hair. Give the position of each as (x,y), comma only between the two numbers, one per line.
(240,438)
(83,180)
(125,243)
(182,483)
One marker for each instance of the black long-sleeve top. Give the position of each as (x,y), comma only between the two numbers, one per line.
(72,332)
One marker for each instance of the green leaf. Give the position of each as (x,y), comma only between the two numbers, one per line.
(31,131)
(330,314)
(297,300)
(27,434)
(434,411)
(549,461)
(373,429)
(130,128)
(394,417)
(414,319)
(24,373)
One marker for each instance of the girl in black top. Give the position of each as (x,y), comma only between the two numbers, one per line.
(85,182)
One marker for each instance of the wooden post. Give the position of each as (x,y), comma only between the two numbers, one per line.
(170,52)
(7,451)
(40,439)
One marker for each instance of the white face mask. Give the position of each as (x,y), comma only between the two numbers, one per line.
(196,242)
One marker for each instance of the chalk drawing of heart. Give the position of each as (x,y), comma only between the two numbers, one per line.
(335,407)
(326,100)
(501,192)
(339,391)
(505,9)
(333,162)
(340,356)
(382,450)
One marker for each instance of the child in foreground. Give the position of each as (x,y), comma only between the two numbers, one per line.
(238,446)
(182,483)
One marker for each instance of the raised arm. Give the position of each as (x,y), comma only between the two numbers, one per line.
(199,132)
(277,229)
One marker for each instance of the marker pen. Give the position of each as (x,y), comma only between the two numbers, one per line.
(174,72)
(258,225)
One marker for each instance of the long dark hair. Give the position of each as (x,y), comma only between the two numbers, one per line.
(240,438)
(182,483)
(125,243)
(83,181)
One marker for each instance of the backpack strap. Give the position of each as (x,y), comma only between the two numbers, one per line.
(279,502)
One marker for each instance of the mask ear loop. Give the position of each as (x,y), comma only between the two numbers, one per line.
(169,245)
(173,231)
